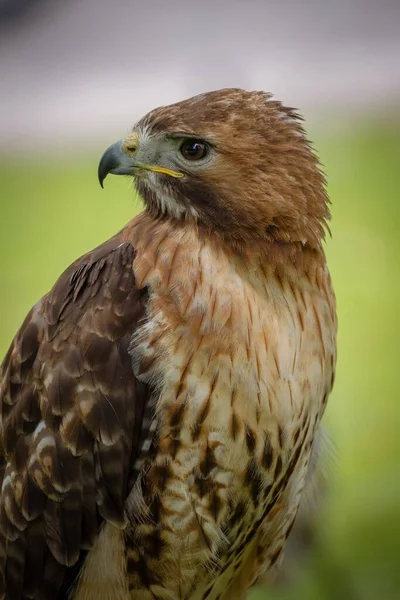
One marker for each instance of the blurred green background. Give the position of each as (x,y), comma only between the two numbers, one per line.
(54,210)
(76,75)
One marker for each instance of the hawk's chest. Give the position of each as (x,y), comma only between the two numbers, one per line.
(241,364)
(238,358)
(229,351)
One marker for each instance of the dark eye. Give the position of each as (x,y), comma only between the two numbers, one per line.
(194,149)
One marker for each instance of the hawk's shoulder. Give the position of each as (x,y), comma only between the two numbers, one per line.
(71,420)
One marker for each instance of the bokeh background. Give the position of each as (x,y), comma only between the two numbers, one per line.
(74,76)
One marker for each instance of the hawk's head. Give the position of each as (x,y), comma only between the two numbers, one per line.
(236,162)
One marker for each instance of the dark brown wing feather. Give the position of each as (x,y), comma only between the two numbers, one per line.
(71,424)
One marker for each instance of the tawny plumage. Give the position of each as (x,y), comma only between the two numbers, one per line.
(160,405)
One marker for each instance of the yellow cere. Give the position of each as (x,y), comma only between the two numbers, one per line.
(130,144)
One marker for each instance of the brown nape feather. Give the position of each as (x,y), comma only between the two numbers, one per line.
(264,187)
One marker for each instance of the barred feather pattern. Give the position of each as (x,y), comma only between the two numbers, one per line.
(71,421)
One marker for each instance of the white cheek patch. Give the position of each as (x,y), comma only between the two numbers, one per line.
(167,201)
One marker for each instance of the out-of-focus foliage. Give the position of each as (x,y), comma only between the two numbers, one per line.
(53,211)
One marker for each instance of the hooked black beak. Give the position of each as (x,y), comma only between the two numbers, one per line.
(115,161)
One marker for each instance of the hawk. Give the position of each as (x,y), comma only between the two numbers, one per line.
(161,405)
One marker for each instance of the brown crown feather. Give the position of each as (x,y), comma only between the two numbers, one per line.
(266,184)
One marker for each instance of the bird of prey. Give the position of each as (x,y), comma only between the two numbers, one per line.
(161,405)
